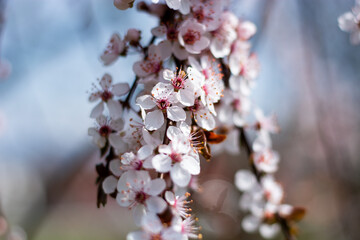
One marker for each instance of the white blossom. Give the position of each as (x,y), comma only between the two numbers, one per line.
(106,94)
(138,192)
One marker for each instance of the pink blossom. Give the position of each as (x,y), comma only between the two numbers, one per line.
(191,36)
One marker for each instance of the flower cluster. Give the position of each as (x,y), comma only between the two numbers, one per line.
(350,22)
(196,77)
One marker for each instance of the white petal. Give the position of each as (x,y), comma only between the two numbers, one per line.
(146,102)
(155,187)
(122,183)
(201,44)
(154,120)
(173,4)
(250,223)
(151,223)
(115,108)
(190,164)
(159,31)
(185,7)
(109,184)
(347,22)
(139,212)
(180,176)
(185,128)
(195,64)
(165,149)
(139,235)
(151,139)
(179,51)
(122,200)
(117,124)
(162,90)
(106,81)
(262,142)
(156,204)
(173,133)
(205,121)
(139,70)
(244,180)
(187,96)
(165,49)
(93,132)
(162,163)
(172,234)
(234,82)
(144,152)
(168,74)
(355,37)
(101,120)
(114,167)
(120,89)
(176,113)
(117,142)
(170,197)
(269,231)
(98,110)
(147,164)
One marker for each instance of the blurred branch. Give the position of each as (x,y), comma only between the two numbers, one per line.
(285,226)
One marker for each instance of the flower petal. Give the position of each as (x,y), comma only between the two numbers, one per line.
(151,223)
(156,204)
(106,81)
(180,176)
(117,142)
(120,89)
(109,184)
(146,102)
(144,152)
(97,110)
(190,164)
(161,163)
(173,133)
(155,187)
(139,212)
(115,108)
(244,180)
(139,235)
(176,113)
(154,120)
(168,74)
(114,167)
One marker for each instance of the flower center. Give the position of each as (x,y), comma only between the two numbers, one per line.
(138,165)
(267,195)
(151,66)
(237,104)
(140,197)
(172,33)
(206,89)
(195,107)
(104,131)
(175,157)
(178,82)
(199,15)
(106,95)
(191,37)
(163,104)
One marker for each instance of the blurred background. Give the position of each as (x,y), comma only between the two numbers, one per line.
(309,77)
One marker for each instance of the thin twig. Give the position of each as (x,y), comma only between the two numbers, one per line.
(285,226)
(126,103)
